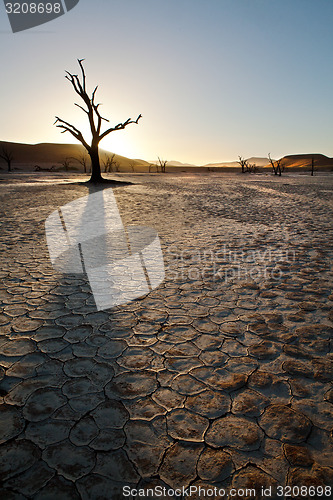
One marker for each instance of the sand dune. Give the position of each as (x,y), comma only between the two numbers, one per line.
(27,156)
(303,162)
(46,155)
(259,161)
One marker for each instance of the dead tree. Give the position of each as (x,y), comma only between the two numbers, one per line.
(162,164)
(132,165)
(243,163)
(272,163)
(152,165)
(83,160)
(312,165)
(109,162)
(66,163)
(95,121)
(252,167)
(276,165)
(8,156)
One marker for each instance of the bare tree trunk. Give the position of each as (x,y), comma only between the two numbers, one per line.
(277,169)
(95,165)
(312,166)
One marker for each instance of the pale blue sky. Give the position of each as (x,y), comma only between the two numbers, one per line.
(213,79)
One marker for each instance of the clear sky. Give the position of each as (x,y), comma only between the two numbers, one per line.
(213,79)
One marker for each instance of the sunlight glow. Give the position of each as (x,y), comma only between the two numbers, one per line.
(119,143)
(200,112)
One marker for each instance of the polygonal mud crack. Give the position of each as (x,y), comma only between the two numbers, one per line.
(236,432)
(283,423)
(186,425)
(17,457)
(210,404)
(42,404)
(11,423)
(130,385)
(179,464)
(214,465)
(99,373)
(70,461)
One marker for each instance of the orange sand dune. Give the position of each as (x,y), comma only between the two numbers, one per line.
(27,156)
(304,161)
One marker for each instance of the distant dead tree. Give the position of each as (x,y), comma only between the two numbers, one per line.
(151,166)
(109,162)
(7,156)
(276,165)
(243,163)
(162,164)
(66,163)
(312,165)
(272,163)
(132,165)
(95,122)
(83,160)
(279,167)
(252,167)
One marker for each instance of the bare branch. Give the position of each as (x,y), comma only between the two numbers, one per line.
(120,126)
(99,118)
(72,130)
(6,155)
(98,114)
(71,78)
(93,95)
(81,107)
(83,74)
(80,89)
(78,83)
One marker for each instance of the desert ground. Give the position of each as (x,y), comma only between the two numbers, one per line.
(218,378)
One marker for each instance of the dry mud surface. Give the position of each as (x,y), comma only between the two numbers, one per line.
(221,377)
